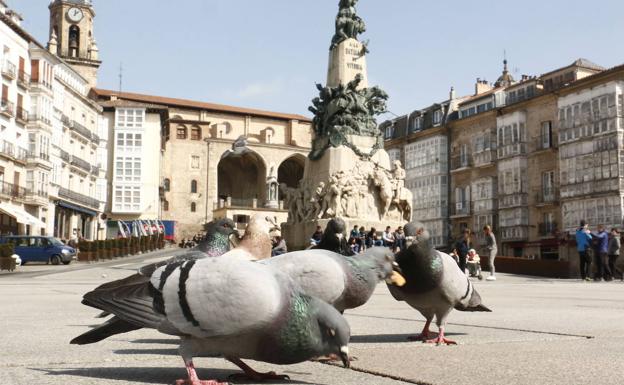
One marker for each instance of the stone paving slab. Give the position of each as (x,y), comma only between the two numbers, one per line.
(541,332)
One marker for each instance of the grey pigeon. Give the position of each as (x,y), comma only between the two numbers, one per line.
(344,282)
(215,243)
(334,238)
(228,306)
(434,283)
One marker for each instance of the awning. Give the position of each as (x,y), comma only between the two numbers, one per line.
(74,207)
(21,216)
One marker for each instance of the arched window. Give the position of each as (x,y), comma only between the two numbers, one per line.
(181,132)
(193,207)
(166,205)
(167,184)
(74,41)
(193,186)
(195,133)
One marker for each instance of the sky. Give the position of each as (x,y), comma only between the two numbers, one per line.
(268,54)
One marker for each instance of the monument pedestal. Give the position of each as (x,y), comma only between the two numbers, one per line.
(347,60)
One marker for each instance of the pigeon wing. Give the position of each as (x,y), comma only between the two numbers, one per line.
(222,296)
(319,273)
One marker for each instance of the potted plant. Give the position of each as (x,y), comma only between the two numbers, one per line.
(6,262)
(84,251)
(99,250)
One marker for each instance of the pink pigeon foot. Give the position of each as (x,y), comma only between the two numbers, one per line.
(251,374)
(194,380)
(423,336)
(439,340)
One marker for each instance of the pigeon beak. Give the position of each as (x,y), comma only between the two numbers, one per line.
(396,279)
(344,356)
(339,235)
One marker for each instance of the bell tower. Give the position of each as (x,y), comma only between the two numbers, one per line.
(71,36)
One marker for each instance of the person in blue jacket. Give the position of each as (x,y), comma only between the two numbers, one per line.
(583,243)
(601,255)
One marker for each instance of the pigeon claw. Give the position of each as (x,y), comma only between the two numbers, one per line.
(258,376)
(440,340)
(200,382)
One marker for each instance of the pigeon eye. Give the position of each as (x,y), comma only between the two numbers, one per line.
(331,332)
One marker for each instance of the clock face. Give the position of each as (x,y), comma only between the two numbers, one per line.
(75,14)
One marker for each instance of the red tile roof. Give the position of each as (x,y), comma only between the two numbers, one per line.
(192,104)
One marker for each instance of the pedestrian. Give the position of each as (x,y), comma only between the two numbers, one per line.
(355,248)
(279,245)
(316,237)
(614,253)
(362,241)
(474,264)
(492,249)
(601,256)
(388,238)
(583,243)
(399,239)
(461,249)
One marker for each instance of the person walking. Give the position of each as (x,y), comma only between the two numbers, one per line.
(583,243)
(601,257)
(614,253)
(461,249)
(490,246)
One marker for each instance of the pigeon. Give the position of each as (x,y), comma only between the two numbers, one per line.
(230,307)
(334,238)
(434,283)
(344,282)
(215,243)
(256,243)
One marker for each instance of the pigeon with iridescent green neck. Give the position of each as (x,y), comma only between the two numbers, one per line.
(344,282)
(230,307)
(434,283)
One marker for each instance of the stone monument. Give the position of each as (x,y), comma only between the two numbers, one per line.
(348,173)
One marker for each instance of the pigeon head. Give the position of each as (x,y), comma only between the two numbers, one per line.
(333,329)
(336,226)
(416,233)
(225,226)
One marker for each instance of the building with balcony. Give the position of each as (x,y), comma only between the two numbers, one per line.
(17,214)
(534,157)
(191,162)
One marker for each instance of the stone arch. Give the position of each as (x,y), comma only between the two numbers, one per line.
(242,176)
(290,171)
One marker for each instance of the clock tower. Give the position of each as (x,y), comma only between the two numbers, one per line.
(71,36)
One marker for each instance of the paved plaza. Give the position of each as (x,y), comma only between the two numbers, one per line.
(541,331)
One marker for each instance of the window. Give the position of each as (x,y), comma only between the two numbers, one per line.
(437,117)
(389,132)
(546,134)
(195,133)
(167,184)
(181,132)
(193,207)
(166,205)
(128,169)
(128,141)
(127,198)
(193,186)
(130,118)
(195,161)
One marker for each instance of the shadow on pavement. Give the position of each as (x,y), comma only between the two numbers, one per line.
(392,338)
(159,352)
(170,341)
(152,375)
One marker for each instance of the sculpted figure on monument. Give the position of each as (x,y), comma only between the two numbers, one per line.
(290,202)
(348,24)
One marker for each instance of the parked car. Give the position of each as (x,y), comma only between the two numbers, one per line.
(40,249)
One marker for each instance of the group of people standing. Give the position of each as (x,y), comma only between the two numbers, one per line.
(467,257)
(601,248)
